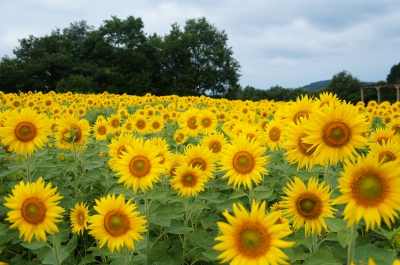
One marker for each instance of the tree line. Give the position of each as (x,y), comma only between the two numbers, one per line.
(119,57)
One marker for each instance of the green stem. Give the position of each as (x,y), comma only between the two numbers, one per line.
(146,206)
(75,173)
(351,246)
(315,242)
(184,236)
(395,252)
(326,174)
(55,249)
(28,167)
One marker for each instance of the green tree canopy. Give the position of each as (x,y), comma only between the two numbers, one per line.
(394,75)
(345,86)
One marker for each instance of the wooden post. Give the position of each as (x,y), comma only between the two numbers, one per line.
(362,94)
(398,92)
(379,94)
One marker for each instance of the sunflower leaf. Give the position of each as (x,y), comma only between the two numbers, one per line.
(345,237)
(335,224)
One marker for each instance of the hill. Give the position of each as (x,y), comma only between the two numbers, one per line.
(317,85)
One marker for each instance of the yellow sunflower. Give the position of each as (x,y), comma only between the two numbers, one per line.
(118,146)
(156,124)
(114,121)
(207,121)
(34,209)
(139,166)
(188,122)
(197,155)
(307,205)
(70,131)
(386,152)
(100,130)
(302,107)
(79,216)
(215,142)
(394,125)
(336,132)
(140,124)
(24,131)
(252,238)
(116,223)
(384,134)
(180,136)
(369,190)
(274,134)
(244,162)
(296,150)
(166,156)
(188,181)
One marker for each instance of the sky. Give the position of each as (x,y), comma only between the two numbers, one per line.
(289,43)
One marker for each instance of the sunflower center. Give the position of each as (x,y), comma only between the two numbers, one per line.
(25,131)
(253,240)
(274,134)
(302,113)
(198,162)
(336,134)
(206,123)
(191,123)
(33,210)
(81,218)
(215,146)
(116,223)
(77,132)
(386,157)
(139,166)
(396,130)
(382,140)
(129,126)
(189,180)
(156,125)
(303,147)
(309,205)
(162,158)
(141,124)
(243,162)
(120,150)
(370,189)
(102,130)
(115,123)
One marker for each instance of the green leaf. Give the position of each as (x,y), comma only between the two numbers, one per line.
(237,194)
(263,195)
(35,245)
(178,227)
(140,259)
(198,205)
(321,257)
(345,237)
(50,257)
(87,259)
(160,218)
(164,260)
(335,224)
(157,195)
(71,244)
(381,256)
(211,254)
(210,221)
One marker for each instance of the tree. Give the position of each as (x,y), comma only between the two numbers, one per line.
(394,75)
(345,86)
(197,60)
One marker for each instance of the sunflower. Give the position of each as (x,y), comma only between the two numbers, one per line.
(24,131)
(127,127)
(116,223)
(298,151)
(100,130)
(34,209)
(188,122)
(369,190)
(114,121)
(163,152)
(215,142)
(252,238)
(156,124)
(383,134)
(386,152)
(140,124)
(303,107)
(207,121)
(307,205)
(180,136)
(72,131)
(188,181)
(139,167)
(244,162)
(336,132)
(327,98)
(274,134)
(118,146)
(79,216)
(197,155)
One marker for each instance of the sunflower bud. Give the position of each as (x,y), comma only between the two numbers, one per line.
(62,157)
(396,238)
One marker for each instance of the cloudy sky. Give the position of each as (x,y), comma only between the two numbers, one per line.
(290,43)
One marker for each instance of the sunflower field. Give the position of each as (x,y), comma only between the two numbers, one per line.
(121,179)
